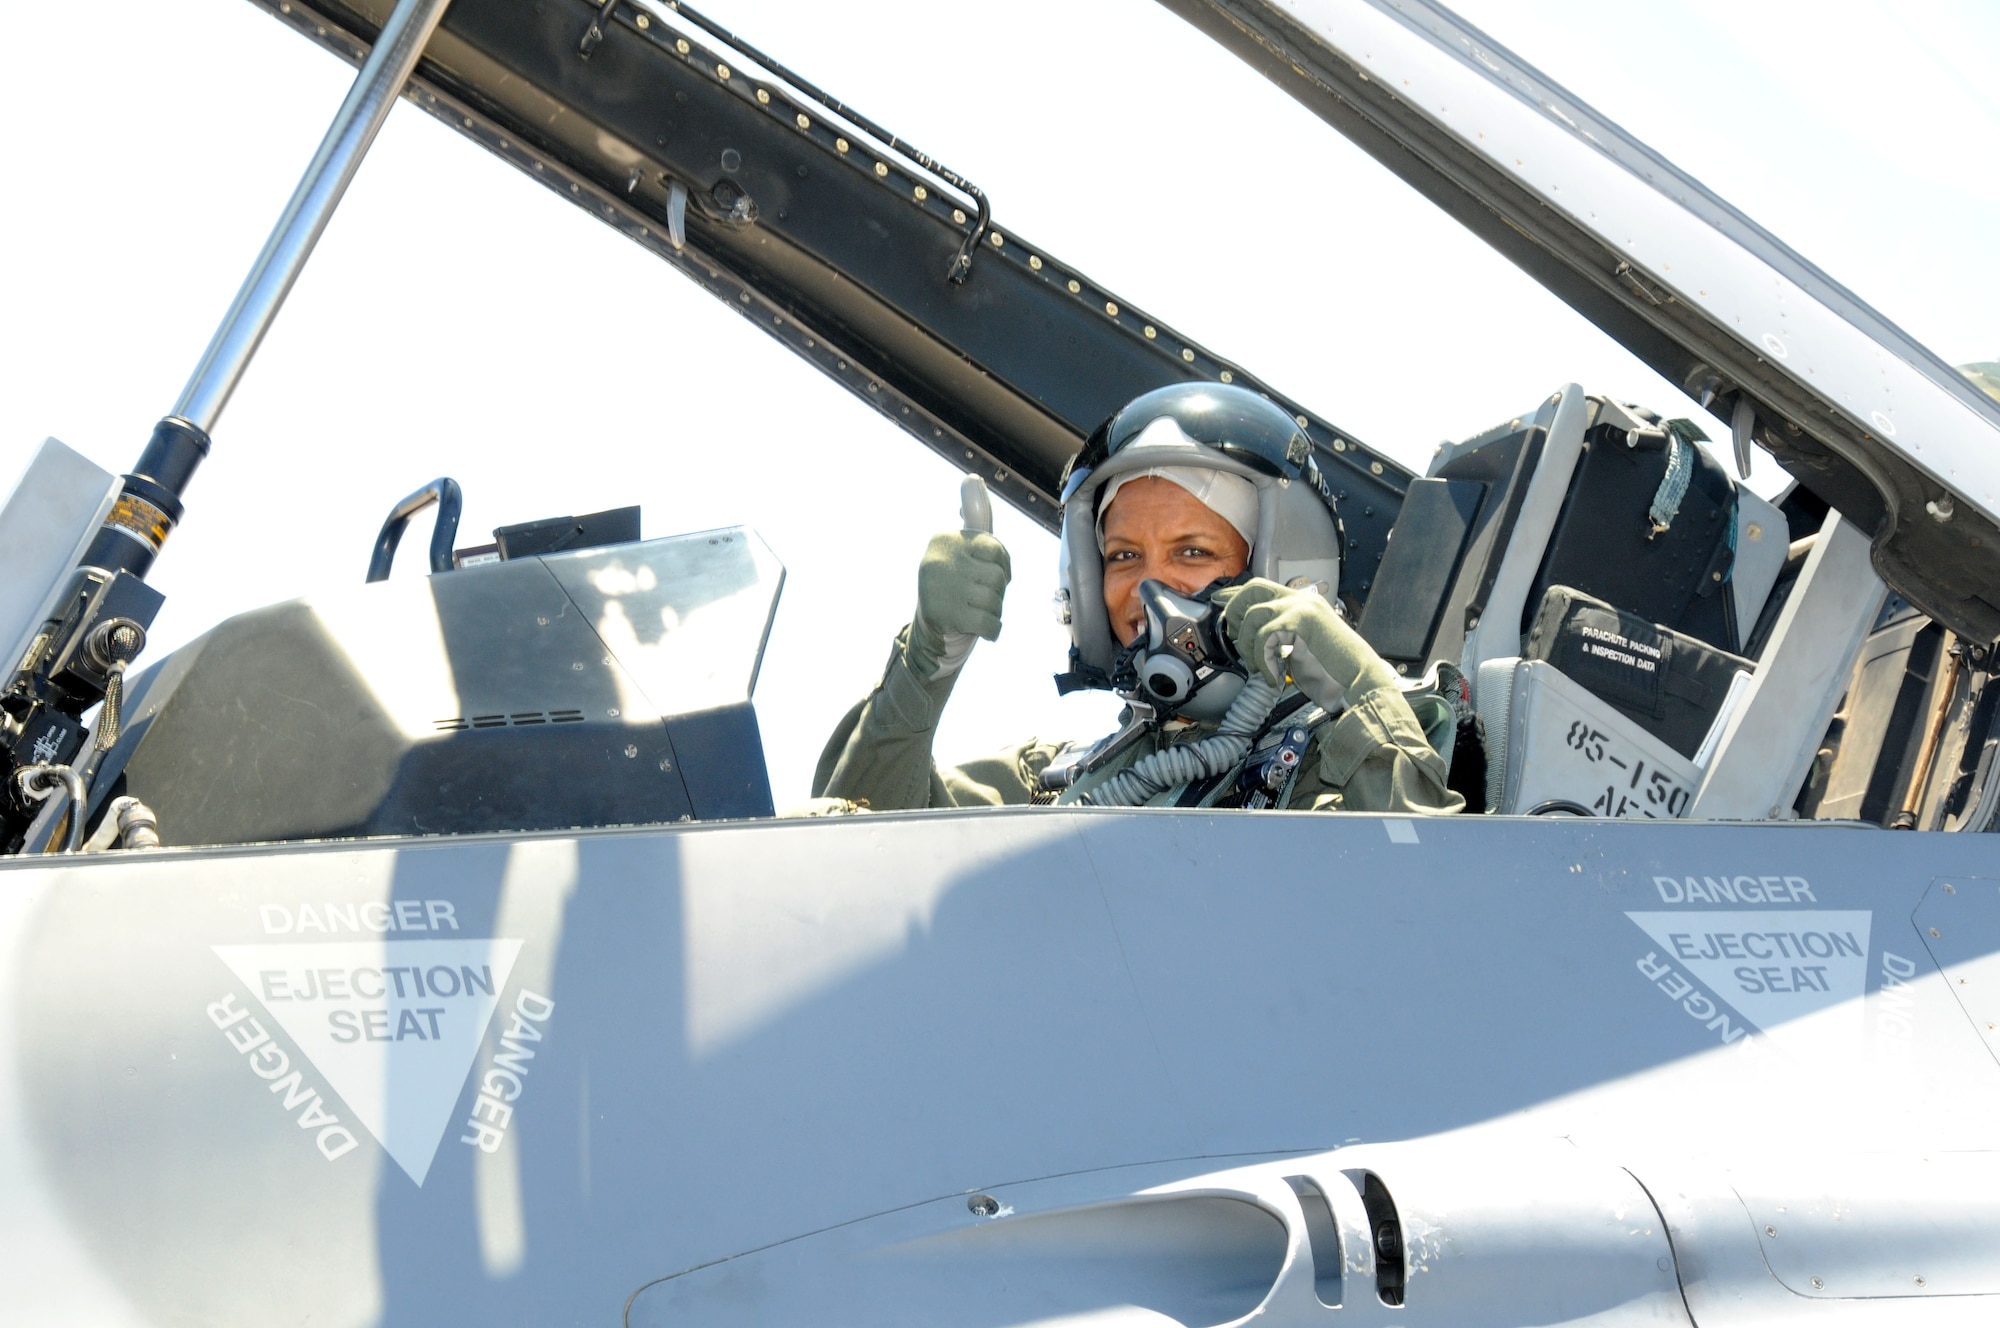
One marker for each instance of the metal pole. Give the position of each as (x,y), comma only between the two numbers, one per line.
(375,90)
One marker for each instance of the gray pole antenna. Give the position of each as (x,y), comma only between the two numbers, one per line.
(106,607)
(375,89)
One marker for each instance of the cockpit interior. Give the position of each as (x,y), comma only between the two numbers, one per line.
(1631,631)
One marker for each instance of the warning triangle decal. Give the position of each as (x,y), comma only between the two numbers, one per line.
(1772,966)
(393,1025)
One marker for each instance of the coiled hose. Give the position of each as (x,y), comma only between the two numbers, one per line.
(1190,761)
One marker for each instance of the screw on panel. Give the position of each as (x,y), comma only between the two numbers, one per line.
(643,22)
(840,144)
(1187,355)
(1936,932)
(1074,288)
(1034,262)
(958,215)
(681,46)
(1770,1231)
(763,97)
(983,1205)
(631,750)
(1817,1284)
(1228,377)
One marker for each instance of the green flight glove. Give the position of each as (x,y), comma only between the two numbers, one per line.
(1296,636)
(960,583)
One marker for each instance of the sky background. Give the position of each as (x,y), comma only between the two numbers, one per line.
(459,319)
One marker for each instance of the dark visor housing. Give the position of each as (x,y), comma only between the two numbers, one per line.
(1241,425)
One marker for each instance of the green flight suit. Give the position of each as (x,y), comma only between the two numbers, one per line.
(1373,757)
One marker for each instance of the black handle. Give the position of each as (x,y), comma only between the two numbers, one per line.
(443,491)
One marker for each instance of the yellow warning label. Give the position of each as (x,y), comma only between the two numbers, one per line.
(138,517)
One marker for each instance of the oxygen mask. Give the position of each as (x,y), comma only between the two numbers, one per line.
(1183,663)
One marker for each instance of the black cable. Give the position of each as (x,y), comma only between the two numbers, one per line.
(961,265)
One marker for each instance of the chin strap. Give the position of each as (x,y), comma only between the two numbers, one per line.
(1081,677)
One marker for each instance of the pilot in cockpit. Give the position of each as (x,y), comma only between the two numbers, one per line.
(1200,551)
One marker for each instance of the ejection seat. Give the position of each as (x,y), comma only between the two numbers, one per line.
(1613,599)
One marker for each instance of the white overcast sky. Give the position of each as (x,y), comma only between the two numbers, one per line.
(459,320)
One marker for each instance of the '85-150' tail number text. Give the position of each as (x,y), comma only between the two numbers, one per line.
(1636,789)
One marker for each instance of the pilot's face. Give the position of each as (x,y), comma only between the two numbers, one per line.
(1155,530)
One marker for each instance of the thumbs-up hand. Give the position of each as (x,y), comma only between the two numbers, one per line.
(961,583)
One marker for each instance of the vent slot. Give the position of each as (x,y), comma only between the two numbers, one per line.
(1385,1228)
(459,723)
(1322,1238)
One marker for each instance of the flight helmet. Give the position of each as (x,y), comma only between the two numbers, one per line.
(1202,425)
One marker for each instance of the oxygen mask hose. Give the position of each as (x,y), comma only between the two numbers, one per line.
(1204,758)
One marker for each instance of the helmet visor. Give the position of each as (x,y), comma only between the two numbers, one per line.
(1239,424)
